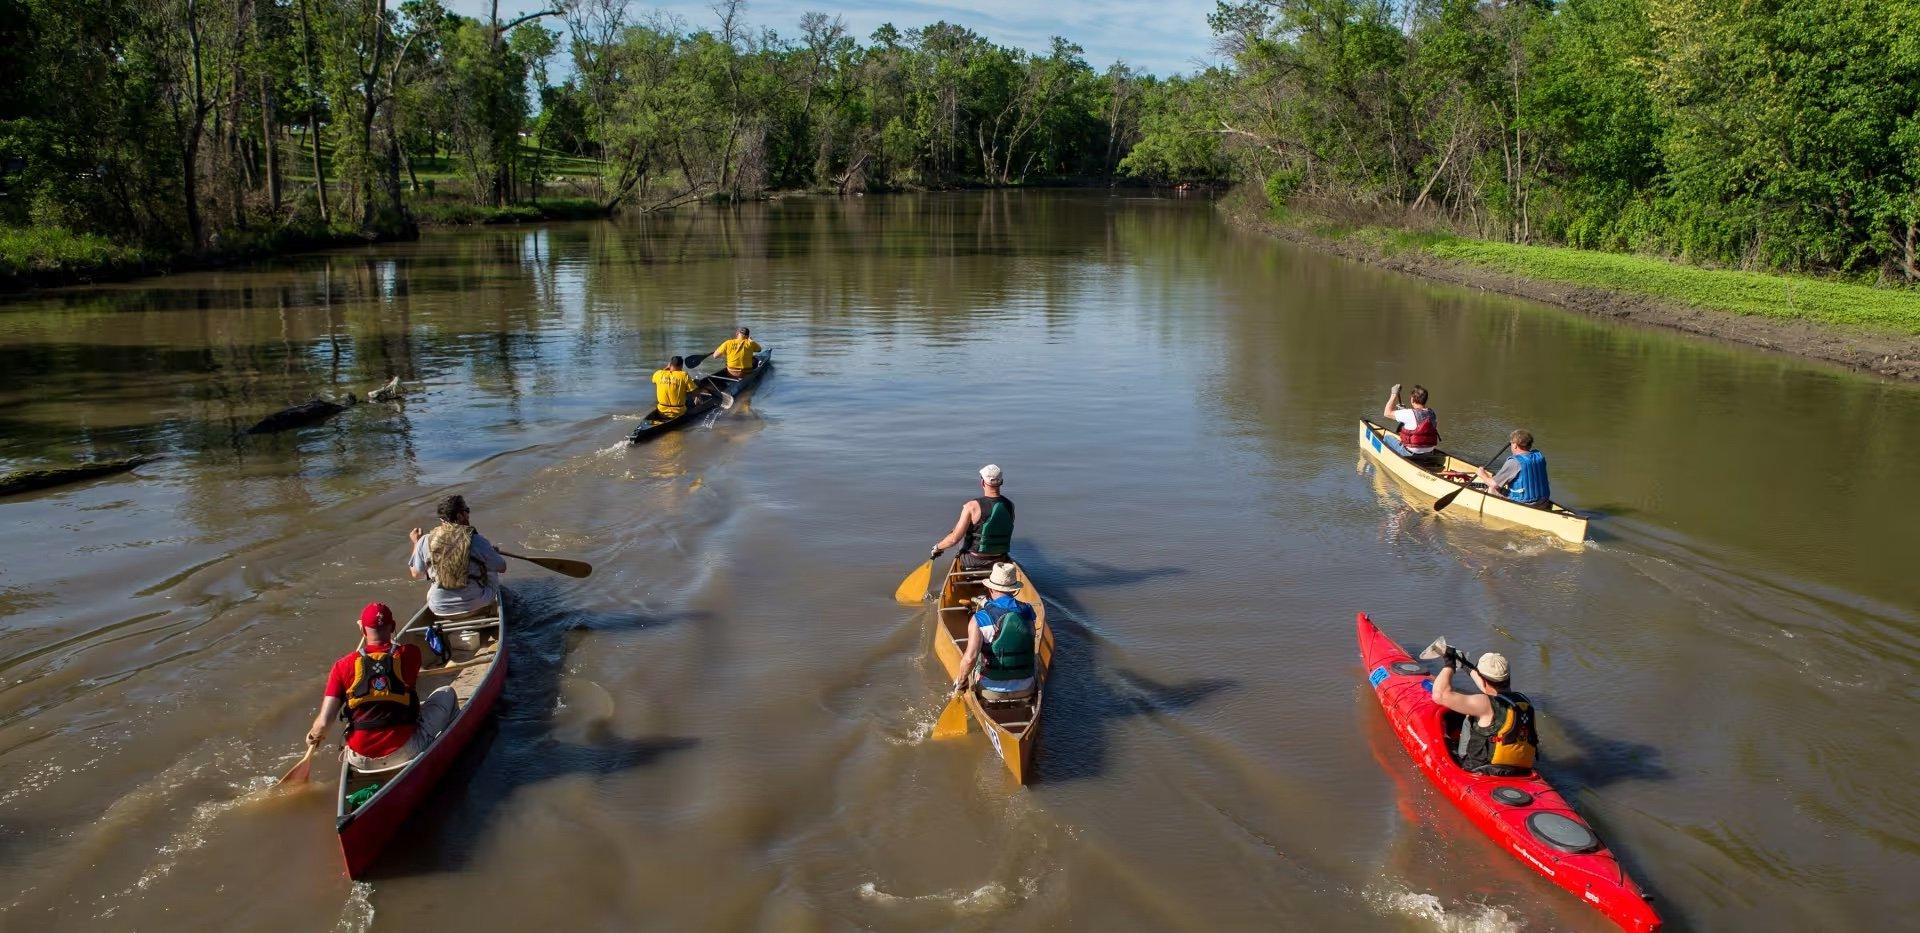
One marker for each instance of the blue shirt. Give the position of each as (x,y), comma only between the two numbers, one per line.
(988,618)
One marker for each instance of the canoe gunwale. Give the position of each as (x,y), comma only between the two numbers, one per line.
(650,429)
(387,809)
(1554,518)
(950,645)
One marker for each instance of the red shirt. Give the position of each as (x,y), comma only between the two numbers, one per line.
(374,743)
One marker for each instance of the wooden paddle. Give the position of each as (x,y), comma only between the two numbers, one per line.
(953,717)
(302,770)
(918,584)
(566,565)
(1447,499)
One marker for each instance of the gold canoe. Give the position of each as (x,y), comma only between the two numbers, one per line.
(1567,525)
(1012,726)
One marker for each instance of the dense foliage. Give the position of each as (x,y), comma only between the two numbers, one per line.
(195,124)
(1776,133)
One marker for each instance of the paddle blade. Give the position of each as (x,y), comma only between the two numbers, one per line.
(953,718)
(1447,499)
(913,590)
(566,565)
(726,401)
(1436,650)
(301,772)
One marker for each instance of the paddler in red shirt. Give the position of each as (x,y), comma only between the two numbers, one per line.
(373,689)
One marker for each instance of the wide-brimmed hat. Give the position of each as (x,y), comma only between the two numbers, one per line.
(990,474)
(1005,578)
(376,614)
(1492,665)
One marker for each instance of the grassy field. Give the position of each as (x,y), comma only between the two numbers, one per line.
(1757,293)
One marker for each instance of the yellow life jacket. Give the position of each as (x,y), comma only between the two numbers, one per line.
(740,351)
(671,388)
(380,697)
(1509,744)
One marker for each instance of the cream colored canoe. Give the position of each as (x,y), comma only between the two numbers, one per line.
(1554,519)
(1013,727)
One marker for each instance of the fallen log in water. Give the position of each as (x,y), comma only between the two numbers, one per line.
(29,480)
(312,412)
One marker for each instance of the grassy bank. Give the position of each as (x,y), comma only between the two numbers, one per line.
(1852,323)
(1789,297)
(45,257)
(462,212)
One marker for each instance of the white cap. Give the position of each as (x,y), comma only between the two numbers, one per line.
(1493,666)
(990,474)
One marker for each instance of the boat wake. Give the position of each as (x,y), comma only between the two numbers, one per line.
(1462,918)
(987,898)
(356,915)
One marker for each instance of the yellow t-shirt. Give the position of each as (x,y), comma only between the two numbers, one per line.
(671,388)
(739,352)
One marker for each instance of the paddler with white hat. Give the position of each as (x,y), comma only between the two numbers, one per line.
(1000,638)
(985,529)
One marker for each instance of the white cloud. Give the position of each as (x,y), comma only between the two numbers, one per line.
(1161,36)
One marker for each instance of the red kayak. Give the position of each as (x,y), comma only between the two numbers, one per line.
(1525,815)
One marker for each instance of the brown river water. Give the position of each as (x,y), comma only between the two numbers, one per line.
(725,727)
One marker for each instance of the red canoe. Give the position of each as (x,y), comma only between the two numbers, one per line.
(478,665)
(1526,816)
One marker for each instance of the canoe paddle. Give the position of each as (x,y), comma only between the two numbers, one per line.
(1440,649)
(566,565)
(1447,499)
(917,585)
(302,770)
(953,717)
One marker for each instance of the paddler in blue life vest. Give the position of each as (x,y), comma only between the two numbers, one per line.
(738,353)
(985,529)
(672,387)
(1496,728)
(1000,639)
(1523,478)
(1419,436)
(372,688)
(463,564)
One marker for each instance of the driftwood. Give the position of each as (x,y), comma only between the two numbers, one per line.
(30,480)
(313,412)
(386,392)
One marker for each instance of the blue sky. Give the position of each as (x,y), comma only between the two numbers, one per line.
(1161,36)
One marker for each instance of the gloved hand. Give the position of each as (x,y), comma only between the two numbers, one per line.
(1459,657)
(935,555)
(1396,392)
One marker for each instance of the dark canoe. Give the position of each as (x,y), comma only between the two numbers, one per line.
(477,675)
(653,425)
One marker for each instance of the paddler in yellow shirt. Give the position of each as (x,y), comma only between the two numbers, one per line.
(739,353)
(671,387)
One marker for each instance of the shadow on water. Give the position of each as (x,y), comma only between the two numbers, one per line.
(517,749)
(1082,704)
(1596,761)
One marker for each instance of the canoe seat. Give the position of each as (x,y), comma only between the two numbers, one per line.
(995,697)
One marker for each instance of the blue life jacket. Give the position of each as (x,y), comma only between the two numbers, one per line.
(1530,486)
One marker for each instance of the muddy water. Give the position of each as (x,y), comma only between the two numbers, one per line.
(725,727)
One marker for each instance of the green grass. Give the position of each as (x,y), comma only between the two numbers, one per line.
(1774,295)
(462,212)
(1768,295)
(29,250)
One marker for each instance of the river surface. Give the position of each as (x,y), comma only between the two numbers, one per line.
(725,727)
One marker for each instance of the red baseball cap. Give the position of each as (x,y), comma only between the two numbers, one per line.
(376,614)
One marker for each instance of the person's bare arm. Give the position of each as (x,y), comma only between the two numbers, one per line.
(1466,704)
(413,537)
(968,656)
(969,514)
(329,708)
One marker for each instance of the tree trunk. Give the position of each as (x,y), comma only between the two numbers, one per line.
(313,108)
(270,145)
(190,155)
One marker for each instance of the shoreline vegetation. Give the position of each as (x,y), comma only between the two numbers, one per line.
(1859,326)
